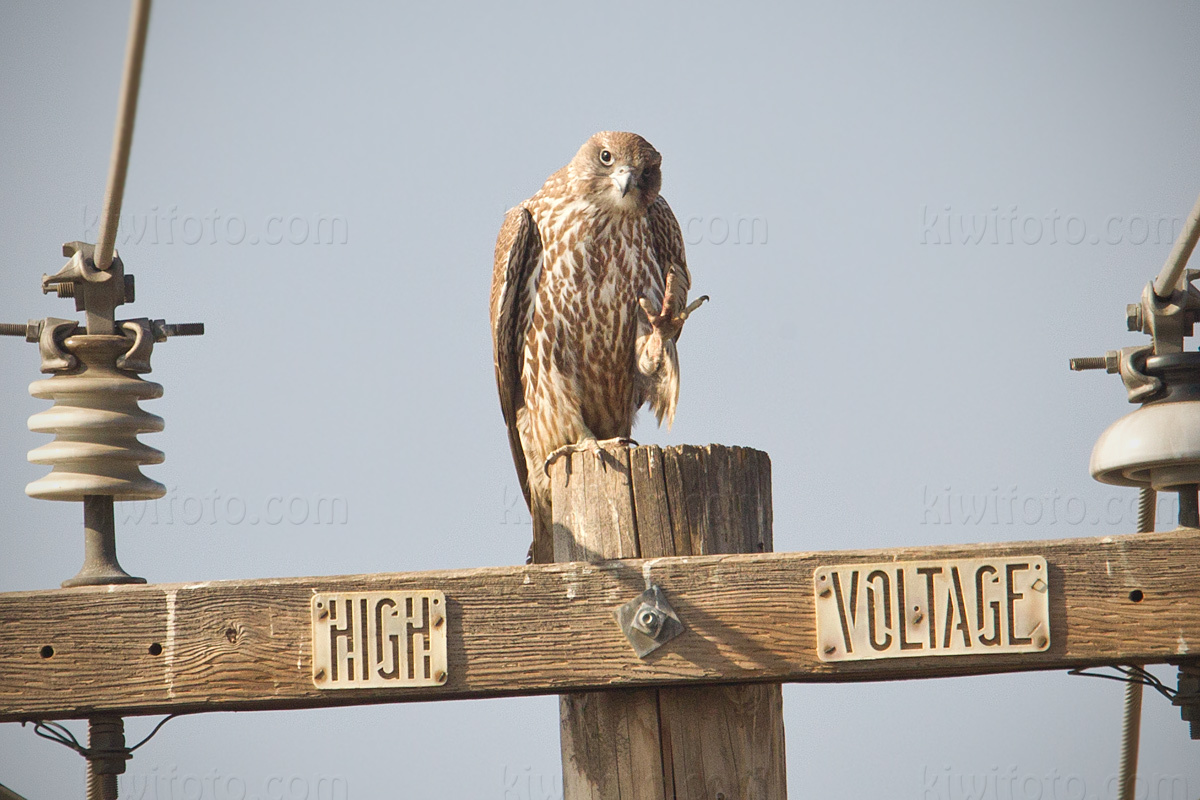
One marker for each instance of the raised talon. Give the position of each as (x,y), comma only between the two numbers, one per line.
(665,323)
(693,306)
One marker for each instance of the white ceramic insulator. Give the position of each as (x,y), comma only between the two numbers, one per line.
(1158,445)
(96,421)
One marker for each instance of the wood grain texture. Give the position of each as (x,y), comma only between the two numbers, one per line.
(726,741)
(548,629)
(708,741)
(610,744)
(610,740)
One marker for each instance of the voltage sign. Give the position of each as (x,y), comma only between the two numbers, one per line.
(932,608)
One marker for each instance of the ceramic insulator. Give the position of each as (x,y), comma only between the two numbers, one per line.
(96,421)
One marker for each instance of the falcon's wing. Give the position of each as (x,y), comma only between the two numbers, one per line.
(662,389)
(518,253)
(668,249)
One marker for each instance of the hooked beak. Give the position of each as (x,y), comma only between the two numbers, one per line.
(622,178)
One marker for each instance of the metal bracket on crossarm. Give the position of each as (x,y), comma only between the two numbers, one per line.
(648,621)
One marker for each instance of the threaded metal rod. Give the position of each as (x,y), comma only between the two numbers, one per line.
(107,756)
(1130,734)
(1093,362)
(1131,724)
(1147,505)
(12,329)
(100,787)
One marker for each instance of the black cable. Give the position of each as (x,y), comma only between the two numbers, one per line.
(1129,674)
(57,732)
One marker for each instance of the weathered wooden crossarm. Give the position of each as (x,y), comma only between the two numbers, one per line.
(240,645)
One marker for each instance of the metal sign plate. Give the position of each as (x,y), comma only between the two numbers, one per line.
(365,640)
(932,608)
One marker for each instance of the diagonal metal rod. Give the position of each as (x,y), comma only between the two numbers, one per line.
(1168,278)
(123,135)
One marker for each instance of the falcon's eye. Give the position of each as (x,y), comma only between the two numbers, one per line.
(606,158)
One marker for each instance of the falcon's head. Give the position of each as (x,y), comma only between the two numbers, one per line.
(617,170)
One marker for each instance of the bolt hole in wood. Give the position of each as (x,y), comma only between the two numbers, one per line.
(47,651)
(1136,595)
(155,649)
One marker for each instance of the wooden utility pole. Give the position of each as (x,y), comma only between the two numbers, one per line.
(713,742)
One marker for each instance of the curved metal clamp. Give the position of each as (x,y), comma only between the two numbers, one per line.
(137,358)
(1141,387)
(51,332)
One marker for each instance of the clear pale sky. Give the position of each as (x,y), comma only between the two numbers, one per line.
(908,217)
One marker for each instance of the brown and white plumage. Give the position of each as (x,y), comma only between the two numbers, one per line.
(589,293)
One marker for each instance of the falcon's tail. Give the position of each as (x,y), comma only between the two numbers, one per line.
(664,390)
(542,549)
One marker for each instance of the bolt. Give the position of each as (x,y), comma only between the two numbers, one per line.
(649,620)
(320,674)
(439,676)
(830,650)
(826,592)
(31,330)
(63,289)
(1133,316)
(1109,362)
(1080,364)
(1039,641)
(439,622)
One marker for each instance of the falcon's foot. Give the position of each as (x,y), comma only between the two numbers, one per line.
(589,445)
(664,323)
